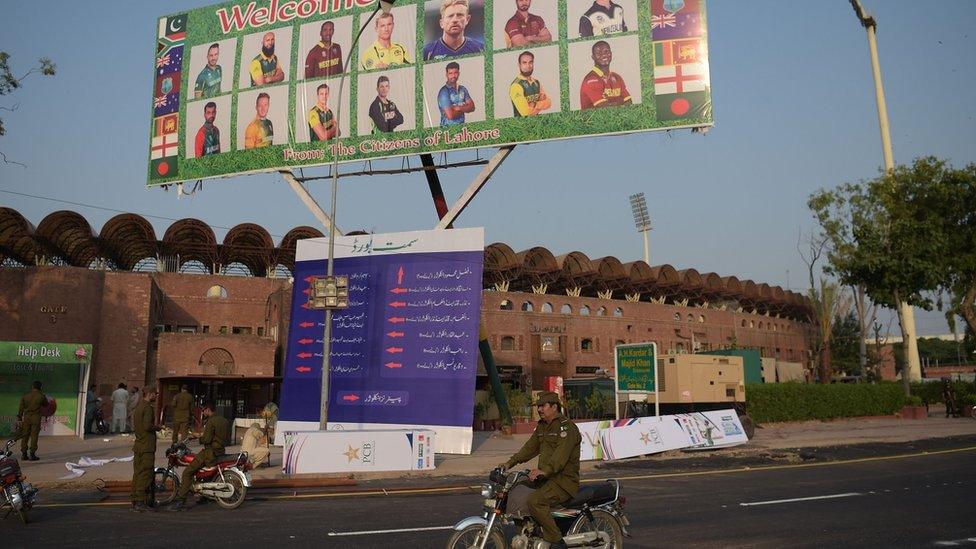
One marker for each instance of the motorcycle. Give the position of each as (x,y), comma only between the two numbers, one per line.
(593,518)
(15,493)
(98,419)
(226,482)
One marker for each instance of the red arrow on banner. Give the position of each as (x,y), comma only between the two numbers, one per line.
(400,275)
(303,369)
(398,304)
(394,350)
(395,334)
(304,341)
(309,279)
(307,291)
(398,291)
(393,365)
(306,305)
(304,355)
(397,320)
(306,324)
(351,398)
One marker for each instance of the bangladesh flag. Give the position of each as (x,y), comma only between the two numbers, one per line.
(162,168)
(680,106)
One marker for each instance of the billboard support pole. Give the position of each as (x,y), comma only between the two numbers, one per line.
(434,183)
(307,199)
(479,181)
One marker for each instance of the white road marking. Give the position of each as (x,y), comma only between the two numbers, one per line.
(396,531)
(776,501)
(954,543)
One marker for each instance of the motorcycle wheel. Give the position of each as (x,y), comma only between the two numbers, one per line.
(602,522)
(240,491)
(164,487)
(470,537)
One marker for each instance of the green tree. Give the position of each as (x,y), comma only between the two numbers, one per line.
(9,82)
(890,234)
(844,344)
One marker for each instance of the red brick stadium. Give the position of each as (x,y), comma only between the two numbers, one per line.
(186,308)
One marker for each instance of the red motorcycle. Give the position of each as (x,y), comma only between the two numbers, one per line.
(226,482)
(14,492)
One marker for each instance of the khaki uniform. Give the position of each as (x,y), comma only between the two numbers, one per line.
(143,450)
(214,437)
(557,444)
(182,403)
(30,422)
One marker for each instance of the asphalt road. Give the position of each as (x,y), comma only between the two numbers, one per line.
(921,500)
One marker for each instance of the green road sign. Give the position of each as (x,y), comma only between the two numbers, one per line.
(636,367)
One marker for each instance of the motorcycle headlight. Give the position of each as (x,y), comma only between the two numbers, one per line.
(486,491)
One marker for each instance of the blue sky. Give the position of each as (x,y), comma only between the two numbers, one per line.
(793,103)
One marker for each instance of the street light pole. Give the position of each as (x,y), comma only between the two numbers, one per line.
(385,6)
(906,312)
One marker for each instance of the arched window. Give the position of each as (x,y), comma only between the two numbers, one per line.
(217,291)
(217,361)
(508,343)
(566,309)
(677,317)
(775,328)
(691,317)
(701,319)
(602,311)
(752,323)
(743,323)
(584,310)
(527,307)
(506,305)
(547,307)
(586,344)
(618,312)
(760,325)
(680,348)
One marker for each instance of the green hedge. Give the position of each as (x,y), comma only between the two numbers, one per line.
(770,402)
(931,391)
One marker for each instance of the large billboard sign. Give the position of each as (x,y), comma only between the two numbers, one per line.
(405,351)
(258,85)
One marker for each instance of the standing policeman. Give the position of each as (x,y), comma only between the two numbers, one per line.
(29,415)
(213,438)
(144,448)
(556,479)
(182,403)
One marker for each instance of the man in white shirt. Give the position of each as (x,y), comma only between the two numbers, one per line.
(120,408)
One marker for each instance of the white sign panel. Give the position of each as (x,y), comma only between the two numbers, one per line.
(357,451)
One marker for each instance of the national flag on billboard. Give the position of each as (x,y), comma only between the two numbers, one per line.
(166,104)
(163,146)
(671,19)
(170,62)
(173,27)
(167,84)
(162,167)
(674,52)
(166,124)
(696,104)
(670,79)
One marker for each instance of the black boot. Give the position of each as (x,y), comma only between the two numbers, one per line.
(177,505)
(23,456)
(34,457)
(139,507)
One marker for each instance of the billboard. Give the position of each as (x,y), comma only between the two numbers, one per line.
(258,85)
(62,368)
(405,351)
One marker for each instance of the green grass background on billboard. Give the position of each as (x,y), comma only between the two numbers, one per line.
(60,376)
(203,28)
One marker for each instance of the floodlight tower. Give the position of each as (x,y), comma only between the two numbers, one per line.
(638,206)
(907,312)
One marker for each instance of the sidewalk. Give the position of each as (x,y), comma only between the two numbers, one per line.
(490,449)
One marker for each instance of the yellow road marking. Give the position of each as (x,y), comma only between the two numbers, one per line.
(397,492)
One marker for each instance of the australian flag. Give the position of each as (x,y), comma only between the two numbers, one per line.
(671,19)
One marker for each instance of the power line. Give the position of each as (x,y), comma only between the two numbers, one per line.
(103,208)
